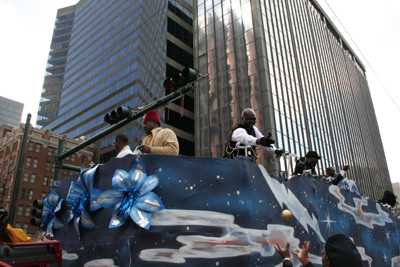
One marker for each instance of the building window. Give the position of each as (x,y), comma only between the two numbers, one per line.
(23,191)
(30,194)
(28,161)
(33,178)
(51,180)
(26,176)
(37,148)
(25,227)
(47,165)
(73,157)
(45,180)
(53,166)
(17,225)
(35,163)
(27,211)
(20,209)
(31,146)
(83,159)
(50,151)
(44,195)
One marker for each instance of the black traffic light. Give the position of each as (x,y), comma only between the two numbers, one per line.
(37,213)
(180,79)
(117,115)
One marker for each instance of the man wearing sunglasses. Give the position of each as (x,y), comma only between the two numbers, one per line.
(245,137)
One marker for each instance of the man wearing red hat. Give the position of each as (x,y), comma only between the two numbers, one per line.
(158,140)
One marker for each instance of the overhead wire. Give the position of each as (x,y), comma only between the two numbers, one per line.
(376,75)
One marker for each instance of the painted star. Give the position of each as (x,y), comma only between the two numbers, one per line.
(385,258)
(328,223)
(387,236)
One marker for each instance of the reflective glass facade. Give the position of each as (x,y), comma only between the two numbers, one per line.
(285,60)
(105,54)
(10,112)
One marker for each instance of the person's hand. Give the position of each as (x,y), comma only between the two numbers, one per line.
(144,149)
(345,168)
(303,255)
(279,152)
(284,253)
(264,141)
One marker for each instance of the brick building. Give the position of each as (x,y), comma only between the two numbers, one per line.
(38,168)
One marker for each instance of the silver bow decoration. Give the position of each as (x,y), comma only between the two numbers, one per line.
(81,194)
(132,196)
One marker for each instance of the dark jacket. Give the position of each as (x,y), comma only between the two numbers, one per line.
(388,198)
(303,164)
(337,179)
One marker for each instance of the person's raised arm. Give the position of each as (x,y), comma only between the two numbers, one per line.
(303,255)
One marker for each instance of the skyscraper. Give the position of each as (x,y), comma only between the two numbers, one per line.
(10,112)
(106,54)
(284,59)
(287,61)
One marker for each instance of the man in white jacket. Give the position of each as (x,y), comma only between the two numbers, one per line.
(245,137)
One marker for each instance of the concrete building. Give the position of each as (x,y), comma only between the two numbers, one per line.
(284,59)
(37,171)
(10,112)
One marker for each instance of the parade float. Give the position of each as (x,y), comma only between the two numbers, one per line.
(158,210)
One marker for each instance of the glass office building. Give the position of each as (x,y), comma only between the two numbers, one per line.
(287,61)
(10,112)
(106,54)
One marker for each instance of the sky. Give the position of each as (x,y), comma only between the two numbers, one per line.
(373,31)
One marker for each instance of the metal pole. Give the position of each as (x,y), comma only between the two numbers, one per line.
(71,167)
(13,202)
(57,161)
(133,116)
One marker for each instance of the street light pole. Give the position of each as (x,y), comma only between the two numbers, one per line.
(17,182)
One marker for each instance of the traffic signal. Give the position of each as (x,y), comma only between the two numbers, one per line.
(37,213)
(180,79)
(117,115)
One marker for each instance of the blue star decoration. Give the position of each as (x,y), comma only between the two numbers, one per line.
(132,196)
(81,195)
(51,205)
